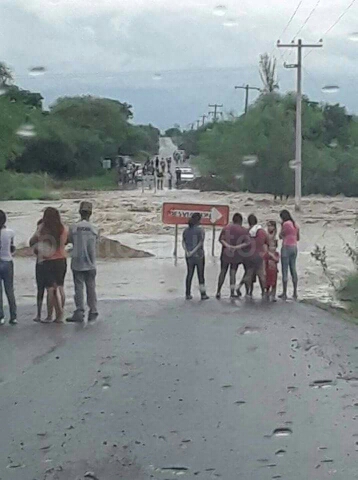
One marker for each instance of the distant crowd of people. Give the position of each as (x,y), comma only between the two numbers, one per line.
(255,248)
(161,171)
(49,244)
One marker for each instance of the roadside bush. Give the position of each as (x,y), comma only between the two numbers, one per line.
(18,186)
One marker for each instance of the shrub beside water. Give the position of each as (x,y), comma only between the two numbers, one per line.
(18,186)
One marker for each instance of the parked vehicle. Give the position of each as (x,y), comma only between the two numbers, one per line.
(187,174)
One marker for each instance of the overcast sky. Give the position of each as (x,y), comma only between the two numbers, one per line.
(171,58)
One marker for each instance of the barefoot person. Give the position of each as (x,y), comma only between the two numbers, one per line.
(83,235)
(272,257)
(7,248)
(193,244)
(233,238)
(290,235)
(50,239)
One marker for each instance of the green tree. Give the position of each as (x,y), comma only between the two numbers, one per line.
(6,77)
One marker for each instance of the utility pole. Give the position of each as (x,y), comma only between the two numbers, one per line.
(215,106)
(298,160)
(203,118)
(248,88)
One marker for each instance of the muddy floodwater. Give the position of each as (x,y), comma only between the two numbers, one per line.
(134,219)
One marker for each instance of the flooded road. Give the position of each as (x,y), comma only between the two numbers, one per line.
(134,218)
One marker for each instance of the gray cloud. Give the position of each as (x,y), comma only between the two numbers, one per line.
(114,47)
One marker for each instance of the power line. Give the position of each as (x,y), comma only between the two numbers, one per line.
(340,17)
(291,18)
(286,27)
(307,19)
(247,88)
(335,23)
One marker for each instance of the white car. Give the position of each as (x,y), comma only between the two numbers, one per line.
(187,174)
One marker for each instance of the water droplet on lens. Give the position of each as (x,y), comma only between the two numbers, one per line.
(293,164)
(353,37)
(26,131)
(282,432)
(231,22)
(37,71)
(247,330)
(220,10)
(250,160)
(330,89)
(157,76)
(322,384)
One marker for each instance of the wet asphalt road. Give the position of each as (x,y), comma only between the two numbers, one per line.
(181,390)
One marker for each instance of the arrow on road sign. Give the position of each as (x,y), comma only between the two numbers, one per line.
(215,215)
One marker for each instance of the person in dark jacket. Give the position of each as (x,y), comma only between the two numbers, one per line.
(193,244)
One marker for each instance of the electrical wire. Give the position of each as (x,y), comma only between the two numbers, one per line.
(340,17)
(308,18)
(291,18)
(334,24)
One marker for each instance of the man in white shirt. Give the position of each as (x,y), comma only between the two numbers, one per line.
(7,248)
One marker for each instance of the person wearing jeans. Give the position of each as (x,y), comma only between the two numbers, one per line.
(83,235)
(7,248)
(193,244)
(290,235)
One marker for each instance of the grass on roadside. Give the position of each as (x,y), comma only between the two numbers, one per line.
(20,186)
(107,181)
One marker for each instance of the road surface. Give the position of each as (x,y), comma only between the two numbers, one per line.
(170,389)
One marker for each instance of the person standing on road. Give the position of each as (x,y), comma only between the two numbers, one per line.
(259,247)
(50,240)
(178,177)
(83,236)
(272,257)
(160,179)
(170,180)
(169,164)
(40,281)
(233,238)
(7,248)
(290,235)
(193,244)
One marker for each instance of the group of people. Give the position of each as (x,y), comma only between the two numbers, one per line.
(254,247)
(50,243)
(160,170)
